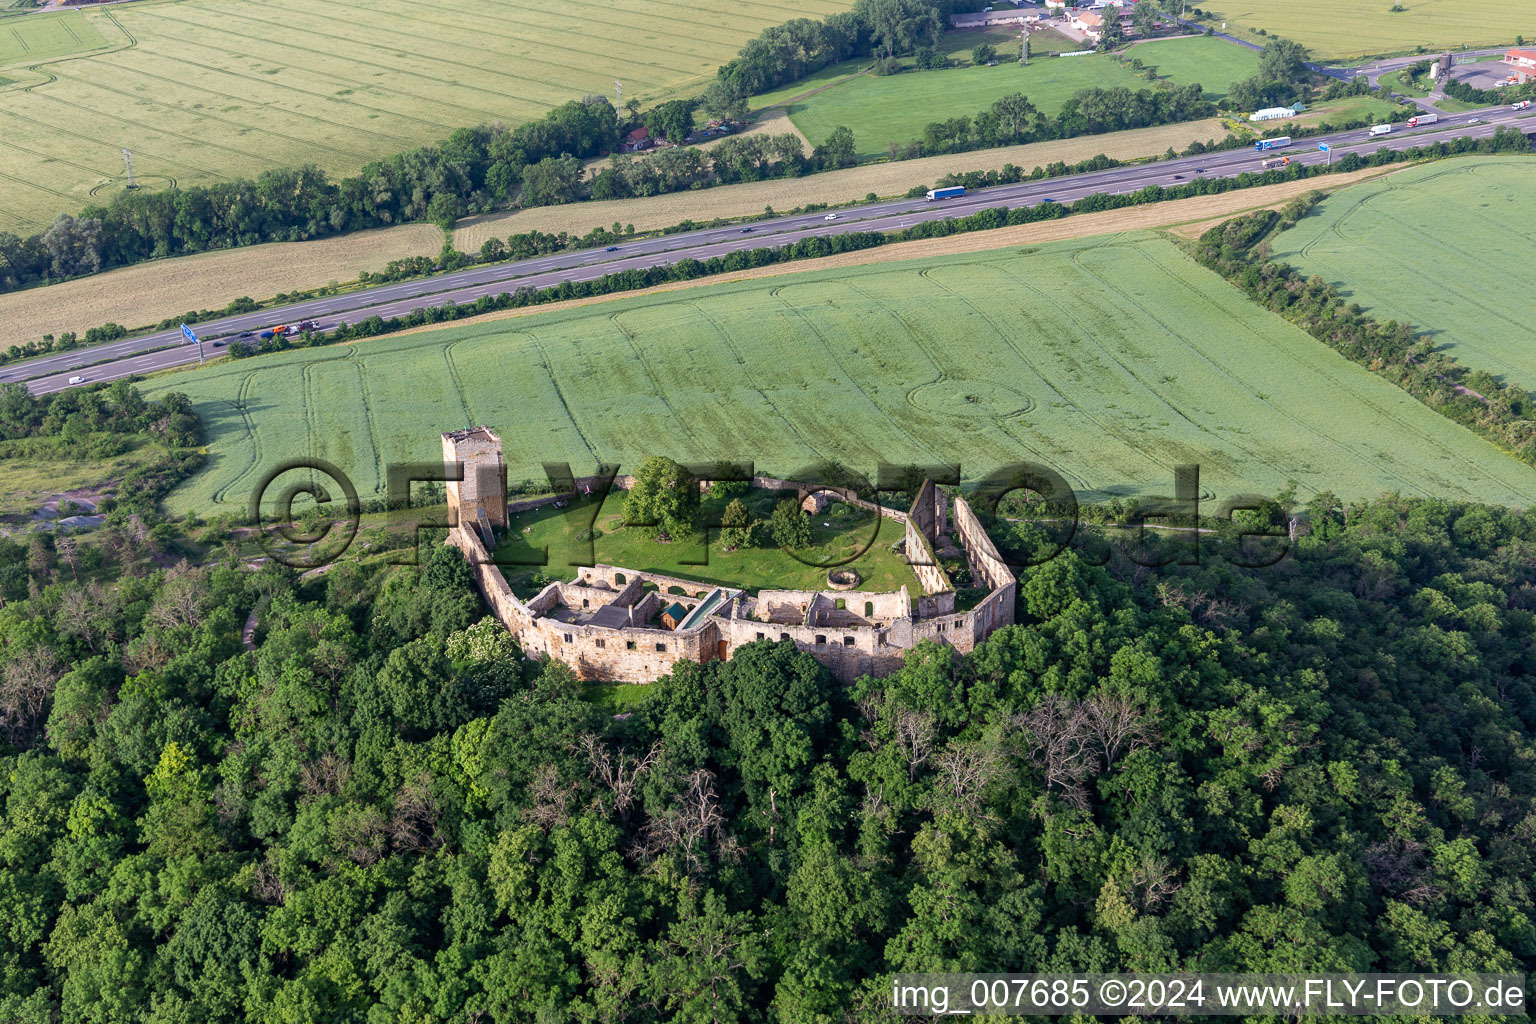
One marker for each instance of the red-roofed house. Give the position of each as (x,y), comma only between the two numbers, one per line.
(1522,65)
(637,140)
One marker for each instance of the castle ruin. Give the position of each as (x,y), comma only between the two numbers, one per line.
(607,624)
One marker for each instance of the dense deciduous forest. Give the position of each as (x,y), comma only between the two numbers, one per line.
(380,812)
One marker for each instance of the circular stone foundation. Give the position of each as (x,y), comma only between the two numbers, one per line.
(842,579)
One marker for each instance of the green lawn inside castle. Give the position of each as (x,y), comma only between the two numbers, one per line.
(842,536)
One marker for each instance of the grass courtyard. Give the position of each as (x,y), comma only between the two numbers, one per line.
(841,537)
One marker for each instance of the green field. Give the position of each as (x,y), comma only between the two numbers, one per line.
(44,36)
(1113,359)
(842,536)
(1216,64)
(1350,108)
(896,108)
(1350,28)
(203,90)
(1434,246)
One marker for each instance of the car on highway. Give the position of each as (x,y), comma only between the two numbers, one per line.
(611,248)
(1178,177)
(1199,170)
(1475,120)
(746,231)
(830,216)
(245,334)
(77,380)
(1047,199)
(218,344)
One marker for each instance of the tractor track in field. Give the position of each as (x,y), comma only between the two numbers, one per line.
(775,294)
(741,361)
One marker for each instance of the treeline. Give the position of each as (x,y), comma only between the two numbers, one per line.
(384,813)
(874,28)
(1281,80)
(1013,119)
(475,169)
(1499,410)
(1458,90)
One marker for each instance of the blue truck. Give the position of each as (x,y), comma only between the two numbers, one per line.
(946,193)
(1276,143)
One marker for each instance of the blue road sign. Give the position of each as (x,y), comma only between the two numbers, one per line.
(1322,147)
(186,332)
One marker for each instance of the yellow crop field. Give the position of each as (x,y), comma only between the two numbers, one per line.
(201,90)
(150,292)
(1350,28)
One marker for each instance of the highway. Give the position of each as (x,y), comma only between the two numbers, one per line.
(149,352)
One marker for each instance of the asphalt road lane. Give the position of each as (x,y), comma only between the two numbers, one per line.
(52,373)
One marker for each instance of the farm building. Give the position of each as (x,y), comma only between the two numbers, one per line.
(1522,65)
(1089,23)
(637,140)
(1271,114)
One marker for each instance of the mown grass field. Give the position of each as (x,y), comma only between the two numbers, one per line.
(1111,359)
(1434,246)
(896,108)
(201,90)
(1342,111)
(1216,64)
(841,537)
(1350,28)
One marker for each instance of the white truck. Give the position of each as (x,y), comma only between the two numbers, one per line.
(1422,119)
(1380,129)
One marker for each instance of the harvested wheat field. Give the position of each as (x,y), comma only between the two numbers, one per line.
(832,187)
(150,292)
(1187,218)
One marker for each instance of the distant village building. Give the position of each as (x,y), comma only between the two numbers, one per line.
(1522,65)
(1089,23)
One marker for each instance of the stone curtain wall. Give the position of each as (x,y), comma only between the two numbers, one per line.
(986,564)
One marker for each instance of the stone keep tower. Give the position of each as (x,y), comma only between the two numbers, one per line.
(483,491)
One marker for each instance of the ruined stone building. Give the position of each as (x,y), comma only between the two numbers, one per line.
(608,625)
